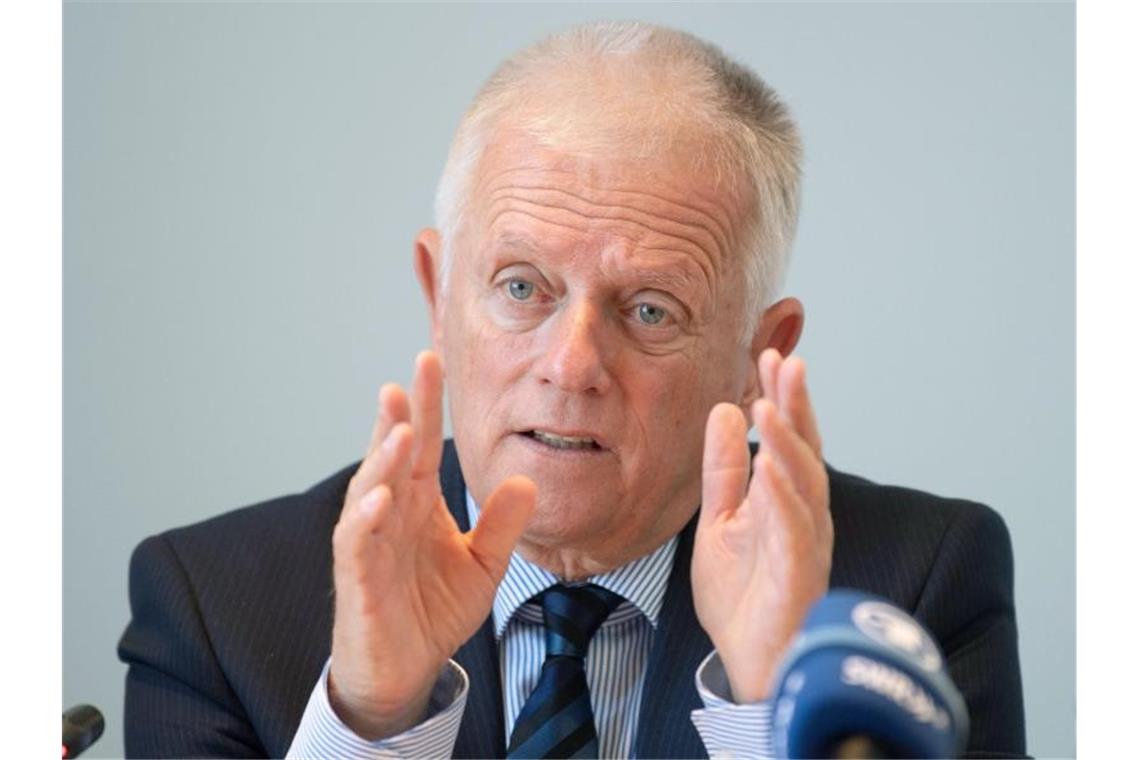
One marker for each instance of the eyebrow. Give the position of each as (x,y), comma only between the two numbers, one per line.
(671,279)
(515,240)
(680,280)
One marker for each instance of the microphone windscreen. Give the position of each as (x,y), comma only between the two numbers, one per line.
(861,668)
(82,726)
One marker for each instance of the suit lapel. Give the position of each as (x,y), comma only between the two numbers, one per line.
(679,644)
(482,731)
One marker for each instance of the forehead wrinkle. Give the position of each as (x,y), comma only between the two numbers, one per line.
(718,244)
(705,261)
(719,230)
(712,228)
(717,227)
(514,190)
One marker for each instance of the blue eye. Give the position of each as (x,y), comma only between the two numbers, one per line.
(650,314)
(520,290)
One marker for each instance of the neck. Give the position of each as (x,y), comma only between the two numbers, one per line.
(575,562)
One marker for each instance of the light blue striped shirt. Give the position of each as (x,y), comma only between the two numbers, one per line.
(618,653)
(615,672)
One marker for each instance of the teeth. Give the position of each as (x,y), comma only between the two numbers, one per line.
(564,442)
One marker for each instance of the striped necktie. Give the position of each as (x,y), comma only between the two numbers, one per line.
(557,720)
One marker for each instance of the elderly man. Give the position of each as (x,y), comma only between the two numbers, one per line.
(597,565)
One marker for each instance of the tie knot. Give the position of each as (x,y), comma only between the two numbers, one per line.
(572,615)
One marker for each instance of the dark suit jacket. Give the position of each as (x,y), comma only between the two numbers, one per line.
(231,621)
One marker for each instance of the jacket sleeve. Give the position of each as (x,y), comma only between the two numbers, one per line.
(178,701)
(967,601)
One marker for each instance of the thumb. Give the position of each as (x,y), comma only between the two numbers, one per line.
(501,521)
(724,477)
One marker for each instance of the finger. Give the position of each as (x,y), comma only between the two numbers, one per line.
(501,522)
(369,511)
(427,414)
(770,361)
(798,462)
(391,407)
(782,504)
(359,522)
(791,453)
(724,473)
(389,463)
(796,404)
(395,463)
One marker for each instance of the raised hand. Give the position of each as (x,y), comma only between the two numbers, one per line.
(762,553)
(410,587)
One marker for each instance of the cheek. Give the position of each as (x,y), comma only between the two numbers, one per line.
(482,360)
(668,402)
(674,401)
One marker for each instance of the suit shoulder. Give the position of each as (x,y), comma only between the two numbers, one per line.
(889,539)
(254,534)
(906,507)
(239,607)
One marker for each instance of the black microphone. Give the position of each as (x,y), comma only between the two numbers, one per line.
(82,726)
(863,679)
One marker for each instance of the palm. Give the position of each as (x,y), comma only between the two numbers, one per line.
(745,581)
(762,553)
(448,590)
(410,587)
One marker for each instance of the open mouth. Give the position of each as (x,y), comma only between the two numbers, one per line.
(563,442)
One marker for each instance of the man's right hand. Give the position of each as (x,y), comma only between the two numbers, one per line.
(410,587)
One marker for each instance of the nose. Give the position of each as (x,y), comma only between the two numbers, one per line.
(575,349)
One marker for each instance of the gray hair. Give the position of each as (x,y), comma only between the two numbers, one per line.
(756,145)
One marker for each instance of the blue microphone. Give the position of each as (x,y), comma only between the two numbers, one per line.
(865,679)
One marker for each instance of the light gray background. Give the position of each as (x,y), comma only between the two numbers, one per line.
(241,187)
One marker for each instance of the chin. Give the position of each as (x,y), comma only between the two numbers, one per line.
(564,523)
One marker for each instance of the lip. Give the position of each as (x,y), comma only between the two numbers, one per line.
(525,435)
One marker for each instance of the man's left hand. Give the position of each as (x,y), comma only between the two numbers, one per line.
(762,554)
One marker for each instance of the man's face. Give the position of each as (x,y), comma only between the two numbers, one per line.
(592,318)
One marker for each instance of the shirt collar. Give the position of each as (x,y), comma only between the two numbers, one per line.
(641,582)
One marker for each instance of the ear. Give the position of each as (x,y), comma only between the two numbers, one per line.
(779,327)
(427,257)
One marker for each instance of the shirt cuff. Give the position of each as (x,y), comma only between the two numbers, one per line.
(322,734)
(727,729)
